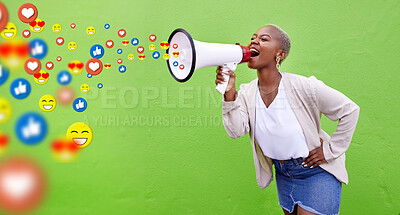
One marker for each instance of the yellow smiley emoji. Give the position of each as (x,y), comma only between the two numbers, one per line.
(37,26)
(72,46)
(152,47)
(165,56)
(64,150)
(81,134)
(57,28)
(85,88)
(90,31)
(10,31)
(5,110)
(75,67)
(47,103)
(41,77)
(131,57)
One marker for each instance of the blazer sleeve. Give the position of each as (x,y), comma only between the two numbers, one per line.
(235,116)
(336,106)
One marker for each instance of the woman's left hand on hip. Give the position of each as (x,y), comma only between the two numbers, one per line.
(315,157)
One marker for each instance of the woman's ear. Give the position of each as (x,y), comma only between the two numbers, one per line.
(281,54)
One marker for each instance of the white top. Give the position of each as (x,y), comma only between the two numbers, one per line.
(277,130)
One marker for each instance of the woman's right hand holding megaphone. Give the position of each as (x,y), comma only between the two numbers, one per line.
(230,92)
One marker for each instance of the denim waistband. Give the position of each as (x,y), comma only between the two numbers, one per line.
(293,160)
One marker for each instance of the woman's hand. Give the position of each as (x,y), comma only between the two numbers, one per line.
(315,157)
(231,88)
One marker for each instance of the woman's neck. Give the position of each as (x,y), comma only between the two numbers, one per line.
(267,77)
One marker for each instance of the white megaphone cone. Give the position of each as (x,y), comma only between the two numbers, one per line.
(188,55)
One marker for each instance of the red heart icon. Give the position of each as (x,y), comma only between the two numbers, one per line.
(175,46)
(71,65)
(33,24)
(37,75)
(59,58)
(79,65)
(166,44)
(45,75)
(3,140)
(41,24)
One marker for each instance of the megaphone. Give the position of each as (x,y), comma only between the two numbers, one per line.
(188,55)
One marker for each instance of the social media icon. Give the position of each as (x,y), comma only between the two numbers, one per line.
(152,47)
(47,103)
(131,57)
(20,88)
(164,45)
(56,28)
(142,57)
(121,33)
(37,26)
(109,44)
(175,64)
(32,66)
(79,105)
(27,13)
(89,75)
(38,49)
(156,55)
(119,61)
(59,58)
(26,33)
(140,49)
(64,150)
(4,74)
(72,46)
(31,128)
(80,133)
(107,66)
(94,66)
(107,26)
(100,85)
(5,110)
(64,78)
(125,43)
(97,51)
(135,41)
(49,65)
(90,31)
(65,95)
(60,41)
(75,67)
(41,77)
(85,88)
(166,56)
(122,69)
(9,31)
(73,25)
(119,51)
(4,16)
(152,38)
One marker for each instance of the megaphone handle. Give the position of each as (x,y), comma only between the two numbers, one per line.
(221,88)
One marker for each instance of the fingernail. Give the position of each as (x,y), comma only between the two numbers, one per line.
(311,167)
(305,164)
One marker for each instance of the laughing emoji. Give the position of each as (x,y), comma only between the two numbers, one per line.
(10,31)
(37,26)
(47,103)
(81,134)
(164,45)
(41,77)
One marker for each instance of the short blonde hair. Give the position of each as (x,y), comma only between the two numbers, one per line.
(285,39)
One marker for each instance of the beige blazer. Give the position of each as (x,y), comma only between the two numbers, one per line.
(308,98)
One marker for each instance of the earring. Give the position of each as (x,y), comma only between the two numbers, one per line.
(277,62)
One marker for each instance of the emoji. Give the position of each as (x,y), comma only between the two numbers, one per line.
(59,58)
(125,43)
(64,150)
(37,26)
(32,66)
(90,31)
(10,31)
(49,65)
(152,47)
(89,75)
(131,57)
(165,56)
(64,78)
(142,57)
(75,67)
(13,53)
(38,49)
(122,69)
(100,85)
(81,134)
(107,66)
(119,61)
(121,33)
(60,41)
(119,51)
(109,44)
(4,141)
(79,105)
(73,25)
(72,46)
(26,33)
(65,95)
(175,64)
(175,54)
(182,67)
(85,88)
(56,28)
(135,41)
(175,46)
(31,128)
(107,26)
(97,51)
(41,77)
(140,49)
(3,16)
(94,66)
(164,45)
(152,38)
(5,110)
(47,103)
(27,13)
(4,74)
(156,55)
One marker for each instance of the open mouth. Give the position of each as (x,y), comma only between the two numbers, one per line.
(75,70)
(47,107)
(41,81)
(80,141)
(91,32)
(72,48)
(254,52)
(84,90)
(56,30)
(8,34)
(37,29)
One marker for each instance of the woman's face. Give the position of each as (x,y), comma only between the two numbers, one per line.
(264,47)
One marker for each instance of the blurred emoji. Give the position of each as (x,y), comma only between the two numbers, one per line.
(85,88)
(152,38)
(72,46)
(152,47)
(165,56)
(107,66)
(176,54)
(49,65)
(65,95)
(131,57)
(164,45)
(10,31)
(75,67)
(59,58)
(109,44)
(4,16)
(119,61)
(90,31)
(41,77)
(5,110)
(47,103)
(13,53)
(64,150)
(125,43)
(107,26)
(26,33)
(142,57)
(81,134)
(4,140)
(57,28)
(37,26)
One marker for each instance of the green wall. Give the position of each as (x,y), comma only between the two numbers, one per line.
(160,147)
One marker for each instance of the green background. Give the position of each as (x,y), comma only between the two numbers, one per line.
(187,164)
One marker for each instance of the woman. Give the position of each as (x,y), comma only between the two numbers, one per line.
(281,112)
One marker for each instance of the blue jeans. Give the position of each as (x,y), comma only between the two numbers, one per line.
(313,189)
